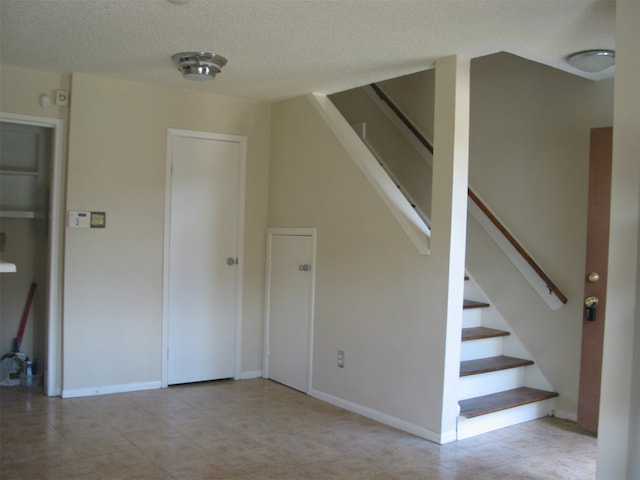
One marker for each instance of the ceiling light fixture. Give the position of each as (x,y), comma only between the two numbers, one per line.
(593,61)
(199,65)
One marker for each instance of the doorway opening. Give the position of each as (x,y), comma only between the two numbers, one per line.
(30,223)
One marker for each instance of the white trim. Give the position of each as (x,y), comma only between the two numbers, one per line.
(306,232)
(385,419)
(53,376)
(565,415)
(242,141)
(124,388)
(409,220)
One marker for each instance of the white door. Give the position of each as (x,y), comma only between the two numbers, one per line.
(290,308)
(202,258)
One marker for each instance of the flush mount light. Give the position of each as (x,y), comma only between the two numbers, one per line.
(593,61)
(199,65)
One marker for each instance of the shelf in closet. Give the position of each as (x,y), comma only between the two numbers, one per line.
(5,213)
(17,171)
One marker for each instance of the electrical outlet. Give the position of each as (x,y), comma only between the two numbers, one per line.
(340,359)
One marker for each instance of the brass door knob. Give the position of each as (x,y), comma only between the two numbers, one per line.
(593,277)
(591,301)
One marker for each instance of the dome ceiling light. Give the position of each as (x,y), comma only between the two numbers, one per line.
(199,65)
(593,61)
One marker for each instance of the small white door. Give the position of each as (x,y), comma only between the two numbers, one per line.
(202,258)
(290,308)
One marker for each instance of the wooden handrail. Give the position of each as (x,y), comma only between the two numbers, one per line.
(553,288)
(548,282)
(403,118)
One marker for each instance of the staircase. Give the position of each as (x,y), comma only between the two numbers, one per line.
(494,390)
(499,385)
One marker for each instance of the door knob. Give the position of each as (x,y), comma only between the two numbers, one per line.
(591,303)
(305,267)
(231,261)
(593,277)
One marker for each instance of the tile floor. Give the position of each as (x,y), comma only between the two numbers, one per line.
(257,429)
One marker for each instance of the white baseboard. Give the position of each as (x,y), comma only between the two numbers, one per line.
(250,374)
(385,419)
(104,390)
(565,415)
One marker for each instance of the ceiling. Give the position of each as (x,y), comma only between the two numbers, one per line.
(283,48)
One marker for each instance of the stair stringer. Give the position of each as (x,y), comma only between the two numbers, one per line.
(399,206)
(529,376)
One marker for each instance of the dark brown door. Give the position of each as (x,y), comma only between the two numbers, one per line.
(595,287)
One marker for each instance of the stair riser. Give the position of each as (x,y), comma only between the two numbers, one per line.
(470,427)
(486,383)
(486,347)
(471,317)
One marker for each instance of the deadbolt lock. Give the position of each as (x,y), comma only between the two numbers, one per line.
(590,311)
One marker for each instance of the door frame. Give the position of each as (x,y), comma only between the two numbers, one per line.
(53,374)
(302,232)
(242,141)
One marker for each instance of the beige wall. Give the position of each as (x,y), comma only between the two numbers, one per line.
(528,161)
(415,95)
(113,277)
(20,92)
(374,292)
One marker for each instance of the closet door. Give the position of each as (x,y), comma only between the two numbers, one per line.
(203,252)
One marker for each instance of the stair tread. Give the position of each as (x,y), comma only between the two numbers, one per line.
(474,304)
(477,333)
(496,402)
(491,364)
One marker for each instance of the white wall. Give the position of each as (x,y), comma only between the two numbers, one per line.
(619,428)
(375,294)
(113,276)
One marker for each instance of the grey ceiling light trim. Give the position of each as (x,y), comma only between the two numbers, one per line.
(593,61)
(199,65)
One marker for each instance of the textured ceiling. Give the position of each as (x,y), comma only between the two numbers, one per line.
(281,48)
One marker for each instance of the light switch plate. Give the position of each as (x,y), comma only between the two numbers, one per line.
(79,219)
